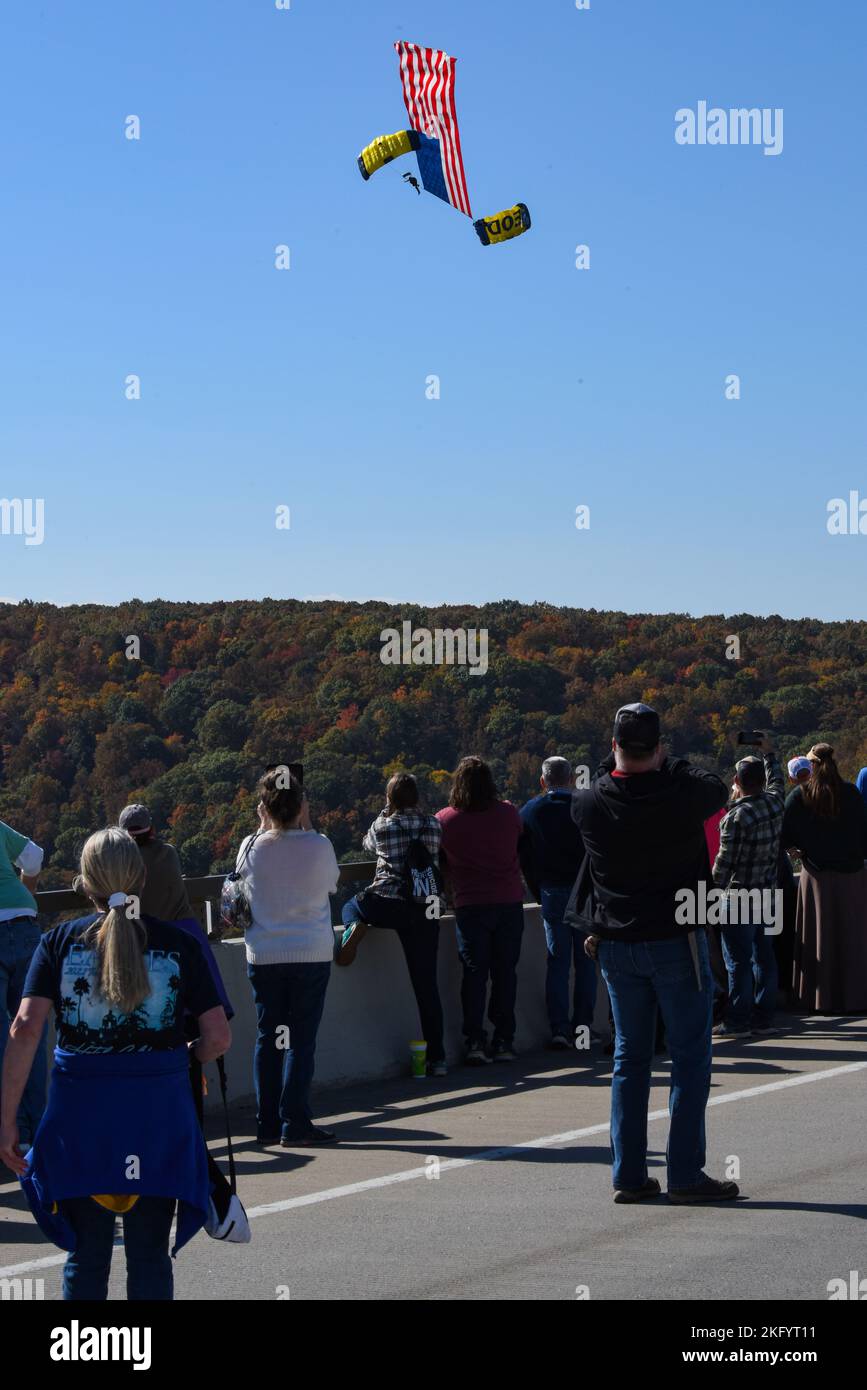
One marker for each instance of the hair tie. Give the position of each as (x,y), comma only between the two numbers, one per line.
(117,900)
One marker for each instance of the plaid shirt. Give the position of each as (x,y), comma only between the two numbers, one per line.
(389,839)
(749,847)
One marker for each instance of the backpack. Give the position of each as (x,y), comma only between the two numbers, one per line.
(226,1219)
(235,908)
(421,874)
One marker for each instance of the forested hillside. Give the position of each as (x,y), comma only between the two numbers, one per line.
(217,691)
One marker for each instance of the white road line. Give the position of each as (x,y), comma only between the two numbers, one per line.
(330,1194)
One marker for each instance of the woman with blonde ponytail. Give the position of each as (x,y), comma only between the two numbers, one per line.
(109,858)
(826,822)
(120,1133)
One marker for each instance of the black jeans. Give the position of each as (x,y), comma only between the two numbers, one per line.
(489,944)
(420,940)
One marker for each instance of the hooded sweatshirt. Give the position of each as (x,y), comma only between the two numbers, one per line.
(644,839)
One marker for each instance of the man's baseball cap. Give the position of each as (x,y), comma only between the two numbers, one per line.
(135,818)
(636,726)
(796,766)
(748,762)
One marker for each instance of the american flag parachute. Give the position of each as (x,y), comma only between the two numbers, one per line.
(428,80)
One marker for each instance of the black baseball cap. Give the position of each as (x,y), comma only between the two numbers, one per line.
(135,819)
(636,727)
(750,763)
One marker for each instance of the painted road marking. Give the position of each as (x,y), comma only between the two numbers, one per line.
(446,1165)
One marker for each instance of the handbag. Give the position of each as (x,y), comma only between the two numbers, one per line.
(226,1219)
(235,908)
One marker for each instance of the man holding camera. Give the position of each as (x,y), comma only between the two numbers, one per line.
(747,868)
(642,822)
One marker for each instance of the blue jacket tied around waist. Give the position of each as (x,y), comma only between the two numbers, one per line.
(105,1112)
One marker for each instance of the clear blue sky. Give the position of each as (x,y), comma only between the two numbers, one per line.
(558,387)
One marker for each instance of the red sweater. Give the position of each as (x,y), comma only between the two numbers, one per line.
(481,850)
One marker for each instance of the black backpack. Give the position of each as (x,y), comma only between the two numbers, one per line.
(421,873)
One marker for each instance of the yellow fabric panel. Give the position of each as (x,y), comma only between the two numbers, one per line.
(114,1203)
(385,148)
(505,225)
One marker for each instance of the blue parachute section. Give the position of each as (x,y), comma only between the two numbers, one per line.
(430,166)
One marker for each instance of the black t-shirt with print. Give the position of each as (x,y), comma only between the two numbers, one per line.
(64,970)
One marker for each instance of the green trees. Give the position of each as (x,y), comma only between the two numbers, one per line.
(220,690)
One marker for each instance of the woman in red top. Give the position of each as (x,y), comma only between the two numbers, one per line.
(480,848)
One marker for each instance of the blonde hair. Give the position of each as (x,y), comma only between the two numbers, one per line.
(111,863)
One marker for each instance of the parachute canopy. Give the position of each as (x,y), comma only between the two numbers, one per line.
(384,149)
(504,225)
(428,80)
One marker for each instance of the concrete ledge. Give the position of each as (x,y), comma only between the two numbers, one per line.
(370,1014)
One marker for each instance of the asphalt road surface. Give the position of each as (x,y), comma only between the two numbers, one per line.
(497,1185)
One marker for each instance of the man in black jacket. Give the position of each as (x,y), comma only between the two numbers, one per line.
(642,885)
(550,852)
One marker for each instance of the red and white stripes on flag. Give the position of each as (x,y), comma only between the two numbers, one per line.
(428,78)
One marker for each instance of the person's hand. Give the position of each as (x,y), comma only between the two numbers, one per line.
(304,818)
(9,1151)
(766,744)
(591,946)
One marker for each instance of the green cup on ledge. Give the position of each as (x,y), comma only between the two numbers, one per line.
(418,1058)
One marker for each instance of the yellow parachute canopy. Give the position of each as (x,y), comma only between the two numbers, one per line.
(503,225)
(384,149)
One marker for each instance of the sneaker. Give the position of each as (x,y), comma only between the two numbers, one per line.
(651,1188)
(764,1027)
(708,1190)
(477,1055)
(437,1069)
(309,1138)
(503,1052)
(266,1140)
(345,953)
(559,1043)
(728,1030)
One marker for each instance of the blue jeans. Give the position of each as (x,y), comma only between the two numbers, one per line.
(18,940)
(146,1230)
(489,944)
(751,963)
(293,997)
(566,943)
(420,940)
(642,976)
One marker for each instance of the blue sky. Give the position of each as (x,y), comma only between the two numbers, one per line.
(559,387)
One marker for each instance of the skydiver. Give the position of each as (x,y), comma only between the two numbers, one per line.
(413,182)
